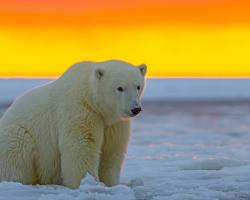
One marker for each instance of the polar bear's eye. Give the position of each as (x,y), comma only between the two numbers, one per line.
(120,89)
(138,87)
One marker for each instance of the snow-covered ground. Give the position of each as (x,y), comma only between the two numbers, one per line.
(179,151)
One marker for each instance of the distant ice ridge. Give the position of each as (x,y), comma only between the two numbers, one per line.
(157,89)
(197,89)
(12,88)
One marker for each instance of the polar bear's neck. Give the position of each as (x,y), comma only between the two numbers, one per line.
(90,107)
(107,121)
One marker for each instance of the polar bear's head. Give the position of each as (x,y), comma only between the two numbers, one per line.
(118,88)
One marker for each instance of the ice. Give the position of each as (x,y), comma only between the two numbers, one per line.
(192,151)
(183,150)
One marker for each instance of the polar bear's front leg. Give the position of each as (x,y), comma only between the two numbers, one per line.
(114,148)
(80,153)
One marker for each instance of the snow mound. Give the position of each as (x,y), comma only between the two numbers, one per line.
(212,164)
(89,190)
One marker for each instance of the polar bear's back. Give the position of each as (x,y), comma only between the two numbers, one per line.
(27,106)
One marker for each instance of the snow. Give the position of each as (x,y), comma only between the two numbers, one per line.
(192,151)
(183,150)
(89,189)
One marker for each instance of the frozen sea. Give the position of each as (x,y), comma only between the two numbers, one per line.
(191,142)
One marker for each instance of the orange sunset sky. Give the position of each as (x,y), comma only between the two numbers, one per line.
(175,38)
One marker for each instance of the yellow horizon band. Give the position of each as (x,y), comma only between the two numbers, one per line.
(167,50)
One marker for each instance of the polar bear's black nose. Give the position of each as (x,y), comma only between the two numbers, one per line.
(136,111)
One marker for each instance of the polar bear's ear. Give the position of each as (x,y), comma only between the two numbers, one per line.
(99,73)
(143,69)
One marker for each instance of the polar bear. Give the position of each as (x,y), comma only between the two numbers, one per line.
(77,124)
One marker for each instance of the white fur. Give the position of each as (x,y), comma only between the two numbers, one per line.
(79,123)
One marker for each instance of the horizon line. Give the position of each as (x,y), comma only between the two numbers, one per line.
(148,77)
